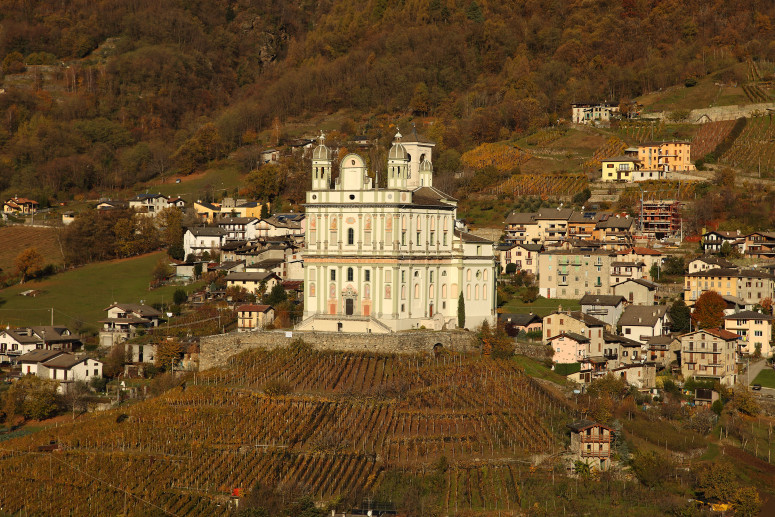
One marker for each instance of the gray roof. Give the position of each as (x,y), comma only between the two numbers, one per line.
(521,218)
(429,196)
(616,222)
(621,158)
(642,315)
(236,220)
(576,337)
(588,320)
(39,356)
(716,261)
(137,308)
(624,341)
(554,213)
(642,281)
(519,319)
(207,231)
(580,425)
(470,237)
(748,315)
(64,361)
(601,299)
(730,272)
(250,277)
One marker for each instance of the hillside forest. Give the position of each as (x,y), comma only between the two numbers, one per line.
(101,95)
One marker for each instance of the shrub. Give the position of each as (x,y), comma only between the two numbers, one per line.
(277,387)
(566,369)
(690,81)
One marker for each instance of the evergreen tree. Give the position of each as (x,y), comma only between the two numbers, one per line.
(680,314)
(461,311)
(474,12)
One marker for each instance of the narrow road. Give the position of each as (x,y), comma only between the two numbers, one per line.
(754,369)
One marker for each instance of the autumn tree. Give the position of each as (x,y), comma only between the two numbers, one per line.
(28,262)
(32,398)
(119,355)
(746,501)
(709,310)
(766,305)
(162,271)
(168,353)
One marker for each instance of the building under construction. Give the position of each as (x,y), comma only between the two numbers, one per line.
(660,218)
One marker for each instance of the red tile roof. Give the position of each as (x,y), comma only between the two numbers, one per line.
(723,334)
(253,308)
(639,251)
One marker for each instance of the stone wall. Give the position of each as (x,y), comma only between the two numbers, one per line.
(717,113)
(215,350)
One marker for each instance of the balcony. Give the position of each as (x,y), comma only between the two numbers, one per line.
(595,439)
(595,454)
(611,356)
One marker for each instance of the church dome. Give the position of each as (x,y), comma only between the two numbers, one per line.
(426,166)
(398,152)
(321,152)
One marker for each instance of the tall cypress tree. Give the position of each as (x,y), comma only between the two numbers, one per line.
(461,311)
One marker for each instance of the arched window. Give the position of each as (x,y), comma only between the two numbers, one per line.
(443,290)
(485,275)
(484,292)
(416,290)
(468,292)
(312,289)
(350,236)
(350,274)
(468,275)
(476,292)
(431,292)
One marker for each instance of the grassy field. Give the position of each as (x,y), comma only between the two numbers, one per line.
(18,238)
(542,306)
(216,180)
(81,295)
(766,378)
(536,369)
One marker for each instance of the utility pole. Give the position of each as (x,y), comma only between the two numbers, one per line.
(52,316)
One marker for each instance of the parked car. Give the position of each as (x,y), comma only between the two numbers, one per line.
(756,387)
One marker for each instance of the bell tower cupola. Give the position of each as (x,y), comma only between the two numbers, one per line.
(398,165)
(321,165)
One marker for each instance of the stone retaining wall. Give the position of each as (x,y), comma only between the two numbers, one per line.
(215,350)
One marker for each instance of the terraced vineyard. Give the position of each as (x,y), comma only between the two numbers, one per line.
(613,147)
(709,136)
(754,148)
(347,421)
(542,185)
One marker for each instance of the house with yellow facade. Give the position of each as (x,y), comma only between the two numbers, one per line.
(666,156)
(754,329)
(619,168)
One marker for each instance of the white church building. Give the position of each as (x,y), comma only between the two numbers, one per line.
(389,259)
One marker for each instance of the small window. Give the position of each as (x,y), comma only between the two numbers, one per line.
(333,274)
(350,236)
(350,274)
(367,275)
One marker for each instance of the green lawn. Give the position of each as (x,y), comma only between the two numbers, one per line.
(542,306)
(766,378)
(536,369)
(82,294)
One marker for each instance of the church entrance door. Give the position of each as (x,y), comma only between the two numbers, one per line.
(348,306)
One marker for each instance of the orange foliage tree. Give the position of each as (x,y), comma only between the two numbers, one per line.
(500,156)
(709,310)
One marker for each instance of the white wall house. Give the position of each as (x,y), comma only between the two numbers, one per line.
(149,204)
(197,240)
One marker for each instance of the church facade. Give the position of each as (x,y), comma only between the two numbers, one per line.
(389,259)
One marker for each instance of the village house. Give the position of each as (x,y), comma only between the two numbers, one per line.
(198,240)
(15,342)
(748,285)
(590,443)
(647,256)
(759,245)
(591,368)
(521,227)
(620,350)
(231,207)
(149,204)
(206,212)
(239,228)
(254,317)
(754,329)
(619,168)
(514,324)
(176,202)
(663,350)
(713,241)
(615,230)
(642,376)
(710,354)
(60,366)
(707,262)
(281,225)
(553,224)
(578,323)
(253,282)
(569,347)
(582,224)
(107,205)
(667,156)
(640,322)
(270,156)
(20,206)
(605,307)
(639,175)
(125,320)
(637,291)
(573,273)
(523,256)
(622,270)
(590,113)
